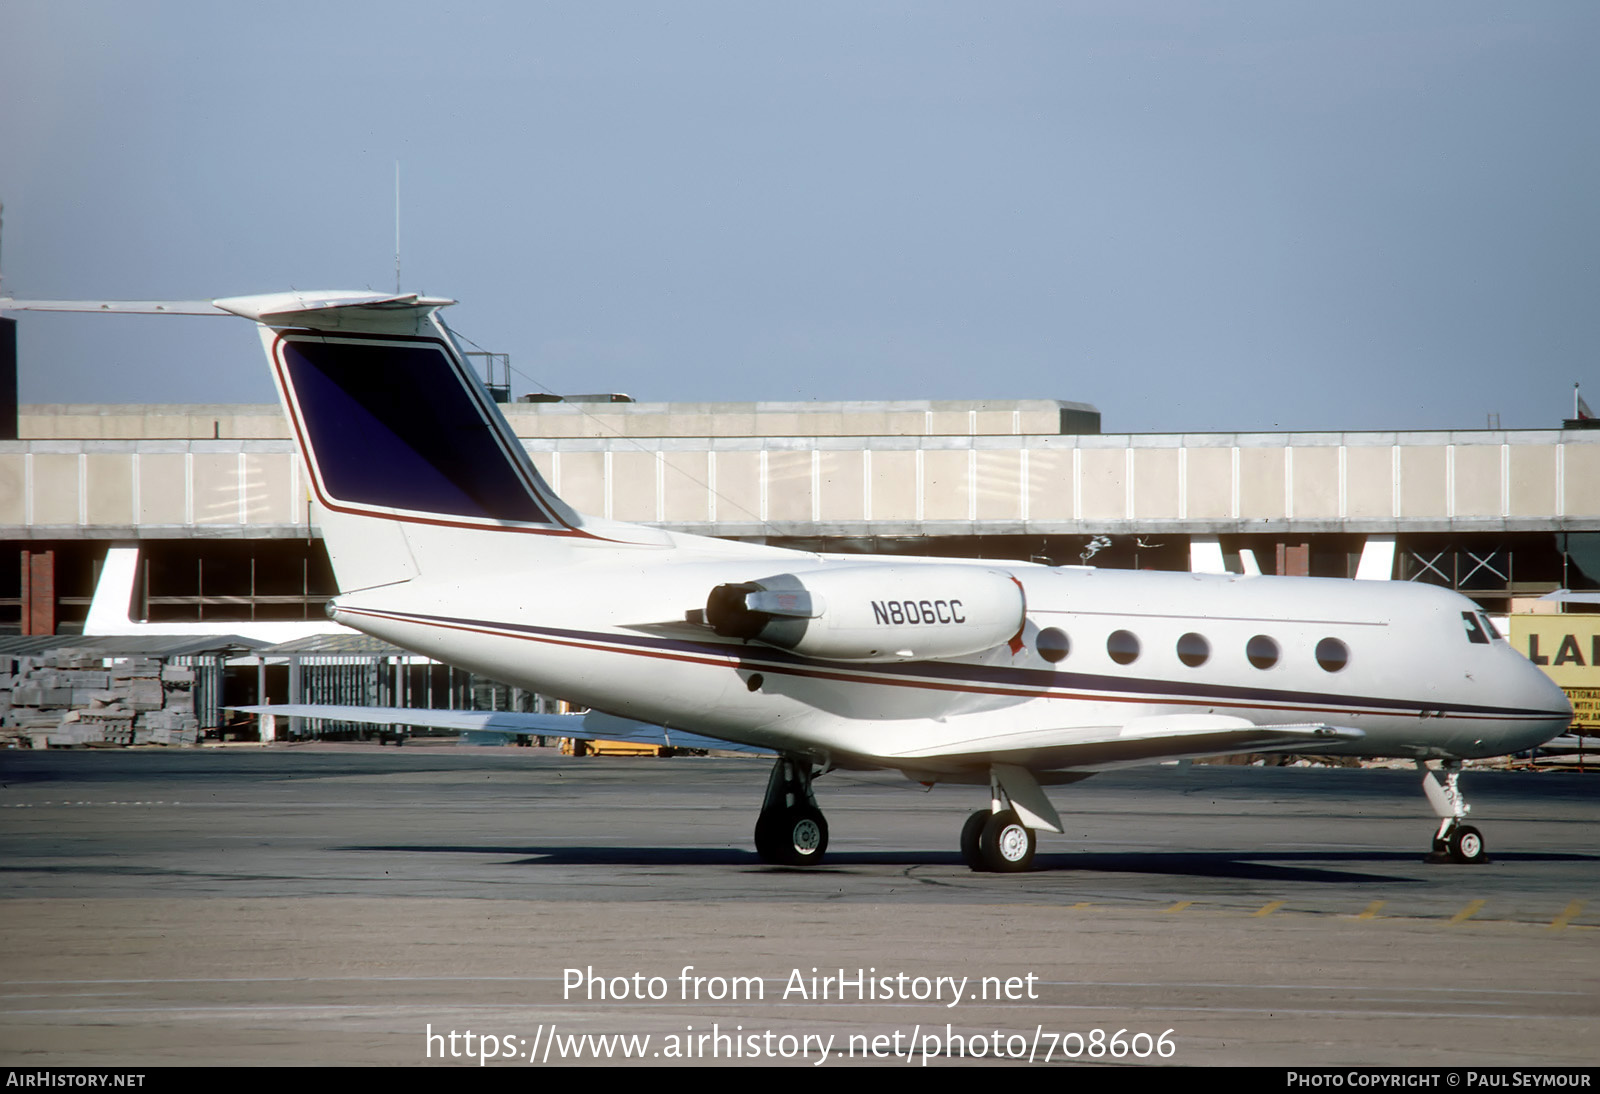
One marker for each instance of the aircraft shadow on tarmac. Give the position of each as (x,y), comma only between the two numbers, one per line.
(1341,867)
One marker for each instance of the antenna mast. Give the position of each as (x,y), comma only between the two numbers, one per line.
(397,227)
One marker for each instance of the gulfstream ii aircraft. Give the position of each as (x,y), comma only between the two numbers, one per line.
(445,540)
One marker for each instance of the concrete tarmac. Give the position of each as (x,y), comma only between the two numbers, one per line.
(358,905)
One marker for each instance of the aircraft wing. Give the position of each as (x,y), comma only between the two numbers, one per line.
(1569,596)
(504,723)
(1140,741)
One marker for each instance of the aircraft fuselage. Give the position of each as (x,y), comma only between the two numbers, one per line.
(1413,667)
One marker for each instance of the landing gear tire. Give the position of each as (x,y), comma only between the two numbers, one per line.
(1006,844)
(1462,844)
(792,837)
(972,837)
(1465,844)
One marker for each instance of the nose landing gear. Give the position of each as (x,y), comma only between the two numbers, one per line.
(1454,841)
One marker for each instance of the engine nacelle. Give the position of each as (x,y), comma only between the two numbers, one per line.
(874,613)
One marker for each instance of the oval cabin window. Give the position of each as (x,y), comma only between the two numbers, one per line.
(1332,654)
(1052,644)
(1262,651)
(1123,646)
(1193,650)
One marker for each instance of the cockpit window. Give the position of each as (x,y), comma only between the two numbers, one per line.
(1475,631)
(1488,625)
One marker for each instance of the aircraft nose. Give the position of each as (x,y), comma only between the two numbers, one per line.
(1537,692)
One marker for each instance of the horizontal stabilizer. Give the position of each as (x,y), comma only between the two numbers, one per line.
(301,309)
(593,726)
(330,309)
(117,307)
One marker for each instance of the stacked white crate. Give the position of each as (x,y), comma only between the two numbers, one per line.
(62,698)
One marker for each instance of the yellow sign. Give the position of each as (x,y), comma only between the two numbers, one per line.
(1585,706)
(1567,648)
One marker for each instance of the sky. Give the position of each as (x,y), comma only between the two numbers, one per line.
(1196,216)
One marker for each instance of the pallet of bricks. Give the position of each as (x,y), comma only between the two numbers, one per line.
(65,698)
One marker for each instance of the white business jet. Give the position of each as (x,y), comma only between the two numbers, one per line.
(445,540)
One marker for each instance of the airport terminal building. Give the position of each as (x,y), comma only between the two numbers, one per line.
(200,514)
(166,524)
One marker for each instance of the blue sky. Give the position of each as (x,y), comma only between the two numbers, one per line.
(1197,216)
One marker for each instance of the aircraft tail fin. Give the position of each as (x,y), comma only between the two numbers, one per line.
(407,455)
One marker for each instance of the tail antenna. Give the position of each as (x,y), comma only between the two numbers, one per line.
(397,227)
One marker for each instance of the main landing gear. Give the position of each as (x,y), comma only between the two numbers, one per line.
(998,842)
(1000,839)
(1454,841)
(791,830)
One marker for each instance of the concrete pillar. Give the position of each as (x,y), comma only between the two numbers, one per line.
(1377,559)
(1294,559)
(296,695)
(268,722)
(8,379)
(38,592)
(111,609)
(1205,555)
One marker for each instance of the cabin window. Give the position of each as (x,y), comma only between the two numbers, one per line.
(1052,644)
(1262,651)
(1193,650)
(1123,646)
(1475,631)
(1332,654)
